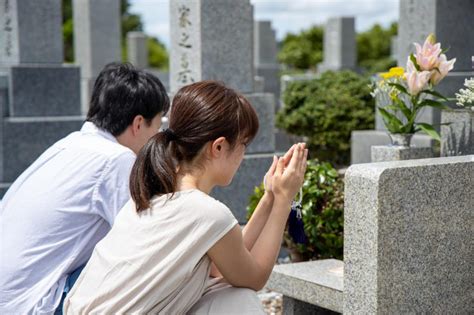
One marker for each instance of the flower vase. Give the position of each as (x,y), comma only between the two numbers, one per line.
(401,139)
(457,132)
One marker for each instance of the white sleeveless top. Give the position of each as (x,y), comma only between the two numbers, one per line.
(154,261)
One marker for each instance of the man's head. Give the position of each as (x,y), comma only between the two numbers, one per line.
(128,103)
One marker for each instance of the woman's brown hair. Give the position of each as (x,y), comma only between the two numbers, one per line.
(200,112)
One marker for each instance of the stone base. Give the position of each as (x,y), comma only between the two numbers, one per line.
(44,90)
(258,84)
(250,174)
(457,138)
(363,140)
(264,104)
(24,139)
(382,153)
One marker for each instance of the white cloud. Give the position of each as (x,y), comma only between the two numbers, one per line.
(286,15)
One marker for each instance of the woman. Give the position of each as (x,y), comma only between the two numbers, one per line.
(173,249)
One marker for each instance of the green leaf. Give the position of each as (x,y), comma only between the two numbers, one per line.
(432,103)
(429,130)
(405,110)
(399,87)
(392,122)
(434,93)
(413,59)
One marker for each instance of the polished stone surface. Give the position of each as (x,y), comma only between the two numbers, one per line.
(318,282)
(137,49)
(408,237)
(339,44)
(264,104)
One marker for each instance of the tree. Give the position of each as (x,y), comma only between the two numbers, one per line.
(158,56)
(304,50)
(373,48)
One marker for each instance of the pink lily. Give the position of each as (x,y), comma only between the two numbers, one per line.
(416,80)
(444,66)
(427,56)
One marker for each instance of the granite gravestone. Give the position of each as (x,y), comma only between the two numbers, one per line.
(265,57)
(339,45)
(137,50)
(408,237)
(97,37)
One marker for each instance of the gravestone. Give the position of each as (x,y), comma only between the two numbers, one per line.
(339,45)
(394,47)
(137,50)
(213,40)
(39,96)
(265,57)
(448,22)
(96,40)
(408,237)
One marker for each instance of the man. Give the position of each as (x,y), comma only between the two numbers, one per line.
(66,201)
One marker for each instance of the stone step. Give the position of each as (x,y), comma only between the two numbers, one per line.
(318,283)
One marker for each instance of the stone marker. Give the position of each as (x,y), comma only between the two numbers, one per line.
(408,237)
(137,49)
(382,153)
(31,32)
(339,44)
(212,39)
(265,57)
(457,136)
(96,40)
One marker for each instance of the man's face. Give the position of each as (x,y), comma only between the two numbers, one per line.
(148,131)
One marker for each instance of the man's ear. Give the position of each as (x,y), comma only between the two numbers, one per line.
(137,124)
(217,147)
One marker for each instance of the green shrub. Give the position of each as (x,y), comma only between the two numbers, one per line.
(323,213)
(325,110)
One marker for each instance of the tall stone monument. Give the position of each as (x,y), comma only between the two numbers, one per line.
(213,40)
(96,40)
(339,45)
(265,57)
(39,96)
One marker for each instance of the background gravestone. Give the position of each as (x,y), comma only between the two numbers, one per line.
(265,57)
(213,40)
(339,45)
(96,40)
(39,96)
(137,49)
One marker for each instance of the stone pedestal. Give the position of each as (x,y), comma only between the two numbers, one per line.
(265,57)
(339,45)
(363,140)
(408,237)
(383,153)
(457,138)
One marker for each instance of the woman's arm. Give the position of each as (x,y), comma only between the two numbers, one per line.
(251,269)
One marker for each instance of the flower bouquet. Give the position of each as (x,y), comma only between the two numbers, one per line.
(408,91)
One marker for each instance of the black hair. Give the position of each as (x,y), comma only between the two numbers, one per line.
(122,92)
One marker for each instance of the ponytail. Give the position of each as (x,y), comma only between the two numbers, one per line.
(154,171)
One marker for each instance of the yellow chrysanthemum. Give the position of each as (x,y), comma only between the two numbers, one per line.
(395,72)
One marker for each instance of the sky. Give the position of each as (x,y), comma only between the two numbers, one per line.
(286,15)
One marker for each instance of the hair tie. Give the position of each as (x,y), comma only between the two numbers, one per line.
(169,134)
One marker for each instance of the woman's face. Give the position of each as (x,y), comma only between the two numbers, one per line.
(229,163)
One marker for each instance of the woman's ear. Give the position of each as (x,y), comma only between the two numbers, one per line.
(217,147)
